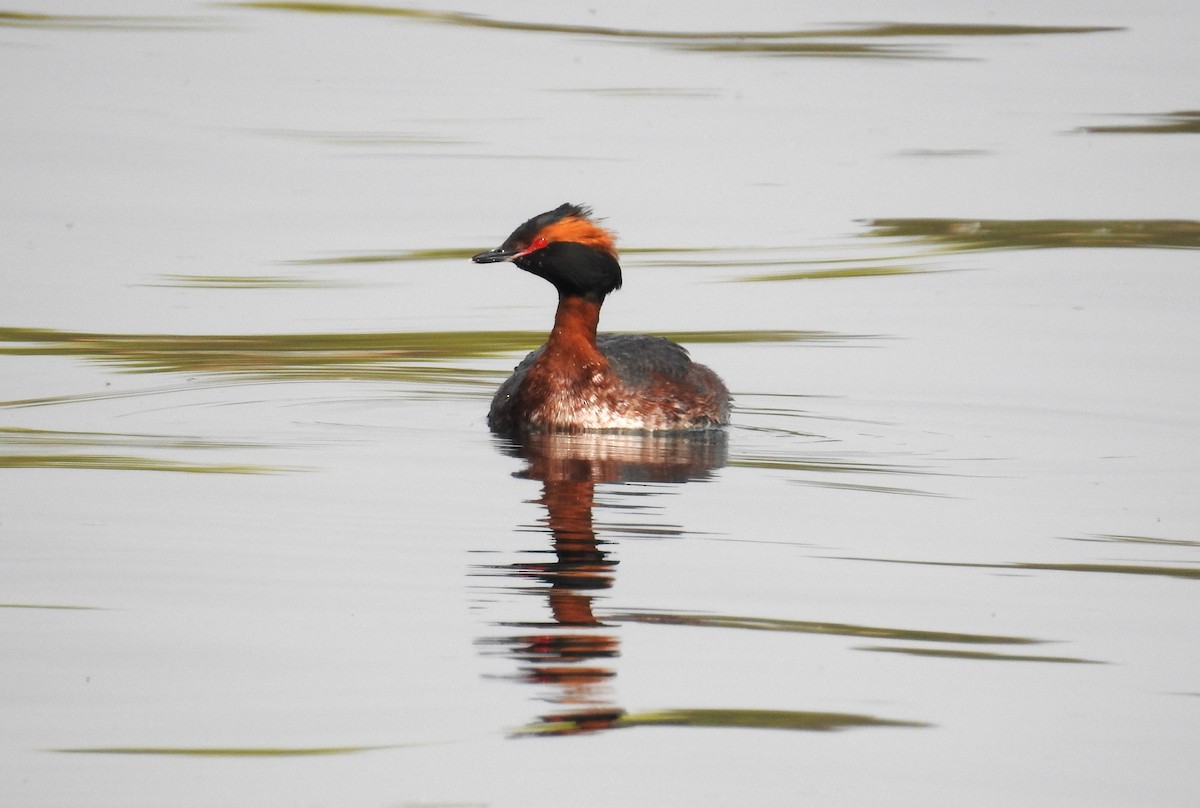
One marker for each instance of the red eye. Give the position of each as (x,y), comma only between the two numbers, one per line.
(538,243)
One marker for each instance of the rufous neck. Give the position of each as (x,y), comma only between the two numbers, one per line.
(575,324)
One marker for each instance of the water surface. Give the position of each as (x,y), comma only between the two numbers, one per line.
(260,549)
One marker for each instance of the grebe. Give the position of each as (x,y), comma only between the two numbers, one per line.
(579,381)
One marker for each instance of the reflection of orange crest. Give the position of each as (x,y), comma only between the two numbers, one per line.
(582,231)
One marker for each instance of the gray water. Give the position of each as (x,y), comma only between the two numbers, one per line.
(260,549)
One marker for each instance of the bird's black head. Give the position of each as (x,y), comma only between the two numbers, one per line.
(566,247)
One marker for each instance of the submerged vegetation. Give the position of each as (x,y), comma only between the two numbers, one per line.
(919,245)
(1184,571)
(123,463)
(1122,539)
(25,19)
(232,752)
(1028,234)
(983,656)
(1184,122)
(399,256)
(814,627)
(875,41)
(54,449)
(575,722)
(401,356)
(237,282)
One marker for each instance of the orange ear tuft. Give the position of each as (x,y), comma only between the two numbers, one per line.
(580,231)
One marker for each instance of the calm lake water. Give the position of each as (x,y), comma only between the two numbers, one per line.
(259,548)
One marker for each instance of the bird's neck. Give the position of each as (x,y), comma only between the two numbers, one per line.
(574,332)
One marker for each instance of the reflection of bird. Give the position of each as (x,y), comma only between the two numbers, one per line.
(570,652)
(578,381)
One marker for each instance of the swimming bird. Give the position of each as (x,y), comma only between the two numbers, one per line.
(579,380)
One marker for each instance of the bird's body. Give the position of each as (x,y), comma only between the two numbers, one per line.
(582,381)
